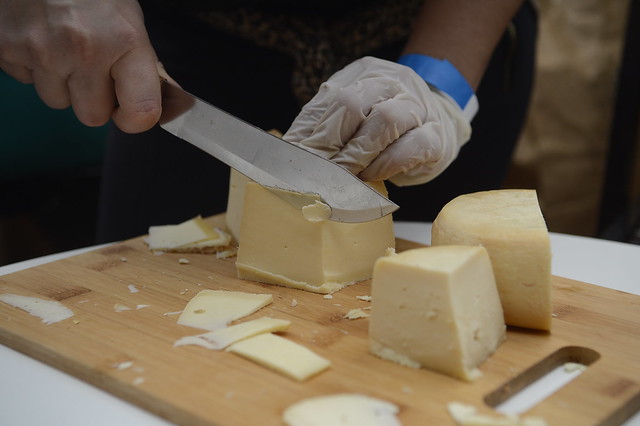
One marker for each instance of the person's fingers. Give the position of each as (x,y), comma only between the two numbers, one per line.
(336,116)
(137,89)
(420,149)
(386,122)
(93,97)
(51,88)
(20,73)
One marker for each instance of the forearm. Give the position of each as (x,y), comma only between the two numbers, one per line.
(465,32)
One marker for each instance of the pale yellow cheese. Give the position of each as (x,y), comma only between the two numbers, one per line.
(468,415)
(510,225)
(341,410)
(193,235)
(235,202)
(297,247)
(220,339)
(437,308)
(49,311)
(281,355)
(214,309)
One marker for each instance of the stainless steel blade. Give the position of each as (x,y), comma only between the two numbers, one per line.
(267,159)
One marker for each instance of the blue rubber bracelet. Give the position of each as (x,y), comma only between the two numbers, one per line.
(442,75)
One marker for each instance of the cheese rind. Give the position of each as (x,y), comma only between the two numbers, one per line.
(214,309)
(281,355)
(343,410)
(510,225)
(437,308)
(294,247)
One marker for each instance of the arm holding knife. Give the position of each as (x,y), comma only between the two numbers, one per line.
(94,55)
(97,57)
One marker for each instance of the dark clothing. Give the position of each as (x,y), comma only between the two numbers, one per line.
(154,178)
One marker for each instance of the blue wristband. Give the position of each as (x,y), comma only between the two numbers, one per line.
(442,75)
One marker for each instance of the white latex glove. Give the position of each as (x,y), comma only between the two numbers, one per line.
(380,120)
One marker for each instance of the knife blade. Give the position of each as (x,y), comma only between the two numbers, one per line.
(269,160)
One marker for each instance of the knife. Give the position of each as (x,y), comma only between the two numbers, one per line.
(269,160)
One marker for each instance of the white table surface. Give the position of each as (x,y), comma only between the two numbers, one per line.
(32,393)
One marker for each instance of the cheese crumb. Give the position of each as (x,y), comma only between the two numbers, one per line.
(132,288)
(571,367)
(327,296)
(183,261)
(355,314)
(316,212)
(123,365)
(119,307)
(294,303)
(364,298)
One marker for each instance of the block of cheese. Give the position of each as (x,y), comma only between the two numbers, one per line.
(437,308)
(282,355)
(510,225)
(298,247)
(214,309)
(191,236)
(342,409)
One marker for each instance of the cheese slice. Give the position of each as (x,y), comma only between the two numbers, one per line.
(343,410)
(437,308)
(224,337)
(510,225)
(281,355)
(297,247)
(49,311)
(214,309)
(194,235)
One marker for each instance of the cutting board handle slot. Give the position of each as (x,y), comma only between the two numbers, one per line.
(537,372)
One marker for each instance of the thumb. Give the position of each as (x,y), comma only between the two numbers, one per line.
(137,88)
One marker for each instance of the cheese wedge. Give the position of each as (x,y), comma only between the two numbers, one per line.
(437,308)
(193,235)
(214,309)
(343,410)
(297,247)
(510,225)
(281,355)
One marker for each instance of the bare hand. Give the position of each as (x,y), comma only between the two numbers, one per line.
(92,55)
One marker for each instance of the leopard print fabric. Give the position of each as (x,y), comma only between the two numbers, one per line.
(318,45)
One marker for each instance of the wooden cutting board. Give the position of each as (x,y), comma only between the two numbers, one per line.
(193,385)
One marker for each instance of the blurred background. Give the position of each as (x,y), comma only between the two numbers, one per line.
(580,148)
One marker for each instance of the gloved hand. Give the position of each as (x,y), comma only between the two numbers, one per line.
(380,120)
(93,55)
